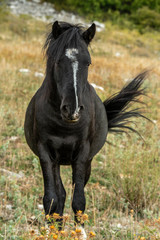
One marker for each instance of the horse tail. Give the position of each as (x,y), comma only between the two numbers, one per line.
(117,105)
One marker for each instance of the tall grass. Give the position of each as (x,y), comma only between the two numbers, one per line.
(123,191)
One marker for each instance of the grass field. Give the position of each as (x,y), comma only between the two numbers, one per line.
(123,193)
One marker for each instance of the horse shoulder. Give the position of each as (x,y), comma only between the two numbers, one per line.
(34,110)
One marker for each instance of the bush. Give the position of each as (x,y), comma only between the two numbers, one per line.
(146,18)
(100,7)
(142,13)
(3,11)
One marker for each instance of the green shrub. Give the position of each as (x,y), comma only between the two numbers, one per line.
(142,13)
(102,6)
(146,18)
(3,11)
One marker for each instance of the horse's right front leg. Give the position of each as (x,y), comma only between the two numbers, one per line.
(50,199)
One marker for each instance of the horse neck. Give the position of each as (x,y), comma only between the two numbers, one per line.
(51,93)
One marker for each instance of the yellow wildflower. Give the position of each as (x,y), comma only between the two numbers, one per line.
(55,236)
(158,220)
(78,230)
(32,232)
(142,238)
(92,234)
(81,217)
(56,215)
(132,211)
(85,217)
(73,233)
(52,227)
(63,233)
(47,216)
(79,212)
(43,229)
(40,237)
(65,218)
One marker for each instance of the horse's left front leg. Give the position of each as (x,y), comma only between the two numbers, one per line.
(79,181)
(61,194)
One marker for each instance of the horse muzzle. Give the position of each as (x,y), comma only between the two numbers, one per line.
(70,116)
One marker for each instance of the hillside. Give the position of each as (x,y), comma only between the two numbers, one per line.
(123,191)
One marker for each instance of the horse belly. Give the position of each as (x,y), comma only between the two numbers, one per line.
(29,126)
(101,130)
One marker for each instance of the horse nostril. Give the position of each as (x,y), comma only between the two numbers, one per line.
(81,107)
(64,108)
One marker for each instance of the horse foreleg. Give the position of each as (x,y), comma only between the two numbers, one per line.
(88,171)
(50,199)
(79,181)
(61,193)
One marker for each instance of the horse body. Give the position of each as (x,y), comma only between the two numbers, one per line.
(66,122)
(44,124)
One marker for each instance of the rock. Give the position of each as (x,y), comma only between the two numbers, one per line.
(39,74)
(47,13)
(36,1)
(99,26)
(14,139)
(9,207)
(40,207)
(117,54)
(11,175)
(98,87)
(33,218)
(24,70)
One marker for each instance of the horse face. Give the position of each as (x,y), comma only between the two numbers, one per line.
(67,45)
(71,73)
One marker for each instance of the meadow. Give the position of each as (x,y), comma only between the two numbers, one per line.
(123,193)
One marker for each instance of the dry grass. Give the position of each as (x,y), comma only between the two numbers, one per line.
(124,176)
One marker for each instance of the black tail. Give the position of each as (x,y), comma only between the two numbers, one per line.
(117,106)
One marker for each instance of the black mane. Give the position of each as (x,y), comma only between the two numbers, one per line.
(70,37)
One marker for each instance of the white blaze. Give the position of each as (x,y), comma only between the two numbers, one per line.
(71,54)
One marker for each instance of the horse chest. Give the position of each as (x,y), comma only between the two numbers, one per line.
(63,149)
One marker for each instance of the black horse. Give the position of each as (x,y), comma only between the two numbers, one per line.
(66,122)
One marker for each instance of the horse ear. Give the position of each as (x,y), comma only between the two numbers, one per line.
(89,33)
(56,30)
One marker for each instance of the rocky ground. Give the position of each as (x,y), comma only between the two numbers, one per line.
(46,12)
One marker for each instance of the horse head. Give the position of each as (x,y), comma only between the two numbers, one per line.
(71,59)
